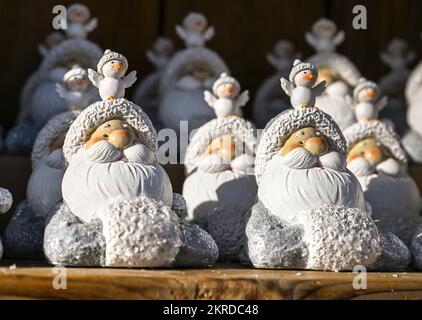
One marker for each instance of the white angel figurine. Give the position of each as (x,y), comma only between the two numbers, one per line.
(226,99)
(110,77)
(301,88)
(366,101)
(195,31)
(76,91)
(78,24)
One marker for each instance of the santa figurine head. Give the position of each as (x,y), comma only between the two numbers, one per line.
(311,211)
(220,186)
(377,158)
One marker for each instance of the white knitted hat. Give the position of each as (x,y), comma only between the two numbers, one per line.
(342,66)
(79,51)
(282,126)
(102,111)
(365,84)
(299,66)
(189,59)
(239,127)
(75,71)
(225,79)
(380,130)
(109,56)
(49,133)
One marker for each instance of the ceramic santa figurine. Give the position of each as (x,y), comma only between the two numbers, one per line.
(79,22)
(338,71)
(147,92)
(367,101)
(412,140)
(39,99)
(379,162)
(220,185)
(311,211)
(23,237)
(397,56)
(188,73)
(6,201)
(118,207)
(268,101)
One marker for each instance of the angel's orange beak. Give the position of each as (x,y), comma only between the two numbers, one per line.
(229,89)
(118,66)
(371,93)
(309,76)
(79,82)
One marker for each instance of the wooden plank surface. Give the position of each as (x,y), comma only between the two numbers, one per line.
(223,282)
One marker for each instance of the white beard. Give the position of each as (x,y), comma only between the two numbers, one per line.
(100,173)
(387,193)
(292,185)
(230,191)
(44,185)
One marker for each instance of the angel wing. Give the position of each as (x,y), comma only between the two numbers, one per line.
(94,77)
(319,88)
(310,39)
(43,50)
(385,58)
(272,60)
(287,86)
(381,103)
(62,92)
(129,79)
(210,98)
(209,33)
(181,32)
(152,57)
(242,99)
(349,101)
(91,25)
(339,38)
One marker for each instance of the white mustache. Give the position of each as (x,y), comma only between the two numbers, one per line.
(300,158)
(360,167)
(105,152)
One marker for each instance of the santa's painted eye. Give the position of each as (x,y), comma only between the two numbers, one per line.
(301,143)
(105,136)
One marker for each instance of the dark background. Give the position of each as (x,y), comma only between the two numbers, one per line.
(245,31)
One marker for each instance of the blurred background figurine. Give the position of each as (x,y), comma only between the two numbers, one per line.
(397,56)
(188,73)
(268,102)
(340,74)
(147,93)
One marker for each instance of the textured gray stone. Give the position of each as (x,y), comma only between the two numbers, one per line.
(71,242)
(395,256)
(332,238)
(272,244)
(68,241)
(198,249)
(23,237)
(416,248)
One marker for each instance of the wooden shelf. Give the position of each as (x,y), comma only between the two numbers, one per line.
(224,282)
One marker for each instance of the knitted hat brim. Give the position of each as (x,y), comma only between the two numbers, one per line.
(282,126)
(97,113)
(239,127)
(54,128)
(382,131)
